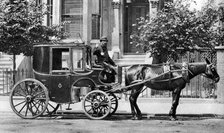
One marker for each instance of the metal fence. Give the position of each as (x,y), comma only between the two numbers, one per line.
(6,78)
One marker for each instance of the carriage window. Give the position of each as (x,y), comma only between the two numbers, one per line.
(61,59)
(77,59)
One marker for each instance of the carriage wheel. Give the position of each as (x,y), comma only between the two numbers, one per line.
(114,103)
(29,98)
(97,105)
(51,109)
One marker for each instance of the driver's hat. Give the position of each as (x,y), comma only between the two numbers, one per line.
(103,38)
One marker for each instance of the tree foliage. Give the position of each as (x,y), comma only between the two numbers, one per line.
(177,29)
(21,26)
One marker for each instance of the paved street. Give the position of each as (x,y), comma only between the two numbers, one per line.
(119,123)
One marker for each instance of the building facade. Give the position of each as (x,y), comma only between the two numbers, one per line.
(91,19)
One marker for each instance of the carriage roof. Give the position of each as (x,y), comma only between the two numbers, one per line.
(42,54)
(60,44)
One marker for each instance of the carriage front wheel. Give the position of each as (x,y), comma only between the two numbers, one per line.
(97,105)
(114,103)
(29,98)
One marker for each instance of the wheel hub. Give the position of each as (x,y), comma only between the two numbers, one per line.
(96,104)
(29,98)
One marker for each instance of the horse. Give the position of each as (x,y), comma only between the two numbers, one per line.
(173,80)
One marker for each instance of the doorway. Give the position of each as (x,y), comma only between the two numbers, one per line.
(132,11)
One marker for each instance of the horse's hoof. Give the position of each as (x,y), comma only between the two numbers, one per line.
(133,117)
(139,117)
(173,118)
(136,118)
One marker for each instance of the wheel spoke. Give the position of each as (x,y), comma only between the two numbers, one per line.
(18,98)
(88,105)
(19,94)
(31,109)
(34,89)
(89,100)
(101,98)
(113,100)
(23,107)
(27,106)
(41,98)
(20,103)
(90,110)
(37,108)
(39,102)
(22,89)
(26,87)
(42,92)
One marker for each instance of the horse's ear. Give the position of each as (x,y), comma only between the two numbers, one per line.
(207,61)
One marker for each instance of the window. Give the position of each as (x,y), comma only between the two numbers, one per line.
(50,12)
(95,26)
(96,14)
(72,12)
(61,60)
(77,55)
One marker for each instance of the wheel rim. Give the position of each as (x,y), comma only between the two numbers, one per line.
(114,103)
(97,105)
(29,98)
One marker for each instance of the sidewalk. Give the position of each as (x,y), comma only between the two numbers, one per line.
(150,106)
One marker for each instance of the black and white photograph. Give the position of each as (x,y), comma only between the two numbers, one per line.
(111,66)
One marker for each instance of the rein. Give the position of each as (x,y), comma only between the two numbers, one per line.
(184,71)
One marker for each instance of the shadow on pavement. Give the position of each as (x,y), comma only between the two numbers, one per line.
(126,116)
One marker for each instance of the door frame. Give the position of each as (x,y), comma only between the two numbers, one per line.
(126,25)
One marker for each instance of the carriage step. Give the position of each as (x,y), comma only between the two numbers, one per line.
(68,108)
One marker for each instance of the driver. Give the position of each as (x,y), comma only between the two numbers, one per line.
(103,59)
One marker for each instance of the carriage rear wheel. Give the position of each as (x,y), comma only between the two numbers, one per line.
(96,105)
(114,103)
(29,98)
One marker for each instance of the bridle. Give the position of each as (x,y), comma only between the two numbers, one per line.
(210,70)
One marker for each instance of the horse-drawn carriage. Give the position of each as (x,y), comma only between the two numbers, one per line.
(65,74)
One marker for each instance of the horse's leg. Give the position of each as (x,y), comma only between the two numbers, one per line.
(136,113)
(175,102)
(132,106)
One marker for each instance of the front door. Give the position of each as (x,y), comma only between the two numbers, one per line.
(133,11)
(60,75)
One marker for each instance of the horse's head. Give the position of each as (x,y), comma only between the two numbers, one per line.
(211,72)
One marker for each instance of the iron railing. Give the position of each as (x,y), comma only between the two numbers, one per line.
(6,78)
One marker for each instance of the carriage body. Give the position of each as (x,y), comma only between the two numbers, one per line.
(63,74)
(66,69)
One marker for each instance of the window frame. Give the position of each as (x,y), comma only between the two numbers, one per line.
(79,15)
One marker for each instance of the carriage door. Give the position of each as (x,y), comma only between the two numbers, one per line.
(60,75)
(133,11)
